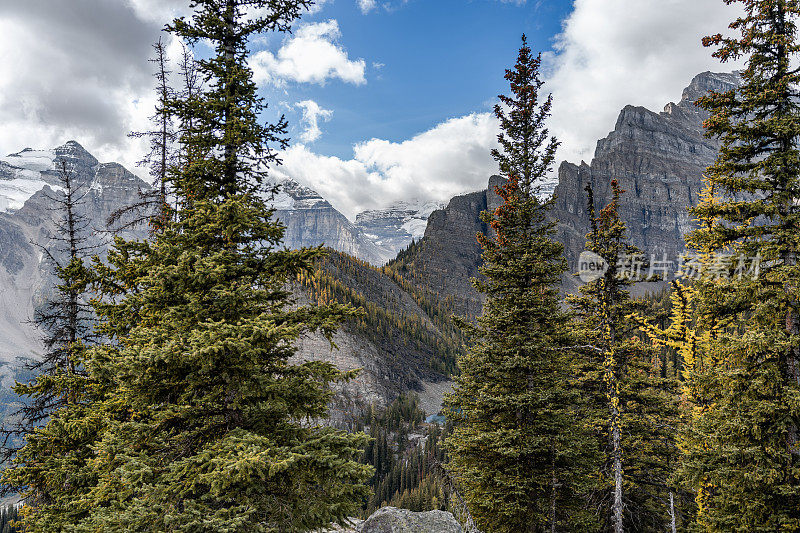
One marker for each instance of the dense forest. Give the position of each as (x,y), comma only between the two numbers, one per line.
(166,400)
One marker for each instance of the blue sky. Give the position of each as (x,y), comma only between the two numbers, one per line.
(388,100)
(426,61)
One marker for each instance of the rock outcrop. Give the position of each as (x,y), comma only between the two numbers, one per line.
(394,227)
(311,220)
(658,158)
(448,256)
(394,520)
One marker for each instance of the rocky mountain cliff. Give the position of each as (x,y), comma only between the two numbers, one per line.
(448,256)
(311,220)
(658,158)
(394,227)
(403,342)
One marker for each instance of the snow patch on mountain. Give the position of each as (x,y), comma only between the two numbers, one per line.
(398,224)
(21,176)
(292,196)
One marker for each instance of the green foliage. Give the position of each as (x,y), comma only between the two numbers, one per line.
(407,474)
(514,445)
(741,450)
(194,419)
(630,408)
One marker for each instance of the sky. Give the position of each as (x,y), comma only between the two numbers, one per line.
(387,100)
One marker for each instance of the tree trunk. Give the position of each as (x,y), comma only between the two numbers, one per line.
(616,442)
(672,525)
(553,489)
(229,47)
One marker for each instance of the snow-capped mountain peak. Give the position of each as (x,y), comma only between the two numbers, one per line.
(396,225)
(24,173)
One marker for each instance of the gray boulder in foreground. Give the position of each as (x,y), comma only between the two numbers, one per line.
(394,520)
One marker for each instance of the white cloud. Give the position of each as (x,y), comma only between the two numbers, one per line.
(367,5)
(447,160)
(617,52)
(160,11)
(252,13)
(63,76)
(312,55)
(611,53)
(312,113)
(317,6)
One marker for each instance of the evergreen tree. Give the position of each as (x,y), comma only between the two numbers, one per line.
(59,380)
(631,407)
(8,519)
(515,440)
(203,423)
(741,449)
(152,206)
(691,333)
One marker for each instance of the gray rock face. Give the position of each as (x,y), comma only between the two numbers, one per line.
(394,520)
(449,255)
(310,221)
(394,227)
(658,159)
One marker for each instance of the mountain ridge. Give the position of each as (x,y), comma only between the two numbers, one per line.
(657,157)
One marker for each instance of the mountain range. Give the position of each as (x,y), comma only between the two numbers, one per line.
(409,265)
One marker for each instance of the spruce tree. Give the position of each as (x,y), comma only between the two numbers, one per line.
(152,205)
(741,449)
(629,406)
(204,424)
(44,457)
(514,443)
(65,319)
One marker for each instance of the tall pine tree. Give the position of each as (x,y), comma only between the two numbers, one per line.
(742,454)
(46,454)
(202,423)
(512,447)
(629,406)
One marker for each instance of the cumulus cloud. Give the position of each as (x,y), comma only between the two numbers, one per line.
(160,11)
(367,5)
(312,113)
(312,55)
(74,69)
(610,53)
(317,6)
(617,52)
(449,159)
(78,70)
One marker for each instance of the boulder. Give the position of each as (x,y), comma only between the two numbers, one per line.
(394,520)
